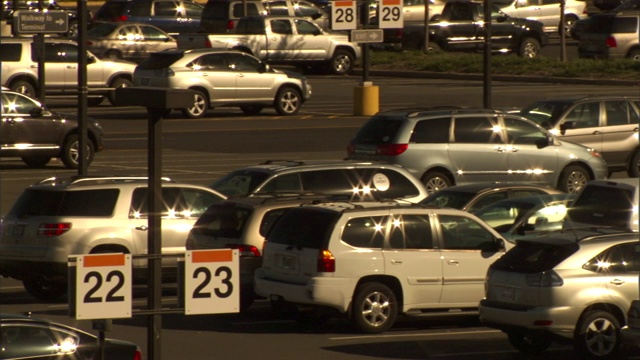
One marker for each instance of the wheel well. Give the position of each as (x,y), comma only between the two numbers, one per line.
(346,48)
(90,135)
(291,86)
(634,48)
(121,76)
(442,170)
(531,34)
(28,79)
(202,90)
(391,282)
(576,164)
(610,308)
(109,248)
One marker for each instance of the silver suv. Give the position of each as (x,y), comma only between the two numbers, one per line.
(613,35)
(608,124)
(224,78)
(85,215)
(355,179)
(372,261)
(445,147)
(572,287)
(20,70)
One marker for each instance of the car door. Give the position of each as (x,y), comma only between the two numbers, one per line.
(582,124)
(477,152)
(281,40)
(550,14)
(219,73)
(411,257)
(252,82)
(620,133)
(130,41)
(528,159)
(621,275)
(56,66)
(20,128)
(467,248)
(307,44)
(461,31)
(165,15)
(188,19)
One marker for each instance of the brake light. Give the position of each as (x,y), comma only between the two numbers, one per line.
(244,250)
(55,229)
(121,18)
(326,261)
(230,25)
(137,355)
(544,279)
(391,149)
(207,43)
(611,42)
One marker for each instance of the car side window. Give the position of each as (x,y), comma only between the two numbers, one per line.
(128,33)
(584,115)
(192,10)
(197,201)
(473,130)
(278,8)
(619,259)
(410,232)
(10,52)
(252,10)
(243,63)
(165,8)
(620,113)
(434,131)
(142,8)
(281,27)
(462,233)
(213,62)
(305,27)
(23,341)
(461,12)
(150,33)
(283,183)
(625,25)
(173,203)
(269,219)
(14,104)
(487,200)
(364,232)
(520,132)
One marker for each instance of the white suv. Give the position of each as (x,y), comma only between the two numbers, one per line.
(85,215)
(373,261)
(547,12)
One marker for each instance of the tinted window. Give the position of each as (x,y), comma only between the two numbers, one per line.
(544,113)
(619,259)
(21,341)
(165,8)
(192,10)
(620,113)
(364,232)
(244,63)
(475,130)
(452,199)
(533,257)
(222,221)
(599,24)
(10,52)
(14,104)
(306,228)
(522,133)
(625,25)
(215,10)
(584,115)
(306,28)
(34,202)
(174,203)
(239,183)
(160,60)
(111,10)
(589,208)
(278,8)
(431,131)
(378,130)
(462,233)
(140,9)
(238,10)
(283,183)
(410,232)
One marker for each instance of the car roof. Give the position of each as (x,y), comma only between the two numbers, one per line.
(282,166)
(482,187)
(430,111)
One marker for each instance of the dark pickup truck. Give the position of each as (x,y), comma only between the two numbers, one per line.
(461,27)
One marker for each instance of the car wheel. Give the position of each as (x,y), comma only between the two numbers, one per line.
(374,308)
(288,101)
(118,83)
(573,179)
(598,335)
(24,87)
(434,47)
(342,62)
(72,30)
(634,165)
(529,48)
(36,161)
(45,289)
(251,110)
(113,55)
(568,23)
(434,181)
(199,108)
(531,345)
(634,55)
(71,154)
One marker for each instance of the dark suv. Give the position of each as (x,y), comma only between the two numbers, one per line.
(31,131)
(612,35)
(172,16)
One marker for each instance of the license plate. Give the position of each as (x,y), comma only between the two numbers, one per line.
(507,294)
(17,230)
(287,262)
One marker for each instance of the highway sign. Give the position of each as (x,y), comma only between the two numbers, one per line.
(212,282)
(367,36)
(343,15)
(38,22)
(391,14)
(103,286)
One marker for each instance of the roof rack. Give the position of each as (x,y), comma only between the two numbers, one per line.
(282,161)
(96,180)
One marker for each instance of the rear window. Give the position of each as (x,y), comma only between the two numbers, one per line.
(306,228)
(379,130)
(222,221)
(10,52)
(239,183)
(625,25)
(603,205)
(215,10)
(534,257)
(35,202)
(162,60)
(599,24)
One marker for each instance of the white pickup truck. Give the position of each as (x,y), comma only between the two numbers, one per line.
(282,40)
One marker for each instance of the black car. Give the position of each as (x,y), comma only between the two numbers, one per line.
(8,10)
(24,337)
(36,134)
(172,16)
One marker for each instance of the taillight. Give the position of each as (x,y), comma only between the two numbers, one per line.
(55,229)
(137,355)
(244,250)
(326,261)
(207,43)
(121,18)
(611,42)
(544,279)
(391,149)
(230,25)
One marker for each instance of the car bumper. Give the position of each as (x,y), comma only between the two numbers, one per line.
(630,336)
(21,269)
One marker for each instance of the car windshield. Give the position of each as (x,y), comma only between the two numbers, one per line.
(544,113)
(239,183)
(452,199)
(306,228)
(160,60)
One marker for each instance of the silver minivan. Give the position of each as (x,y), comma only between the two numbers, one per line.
(445,147)
(546,11)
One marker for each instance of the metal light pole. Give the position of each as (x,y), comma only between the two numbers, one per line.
(487,55)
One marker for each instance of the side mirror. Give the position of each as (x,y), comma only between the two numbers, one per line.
(544,142)
(263,68)
(316,16)
(91,59)
(493,246)
(36,112)
(567,125)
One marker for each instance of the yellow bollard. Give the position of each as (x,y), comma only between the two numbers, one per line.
(366,99)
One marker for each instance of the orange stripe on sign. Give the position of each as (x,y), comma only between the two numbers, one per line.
(343,3)
(211,256)
(390,2)
(104,260)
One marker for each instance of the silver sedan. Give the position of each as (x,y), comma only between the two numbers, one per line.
(128,41)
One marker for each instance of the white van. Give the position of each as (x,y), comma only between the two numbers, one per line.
(546,11)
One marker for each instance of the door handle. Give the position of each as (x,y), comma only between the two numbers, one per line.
(617,282)
(142,228)
(396,262)
(71,67)
(453,262)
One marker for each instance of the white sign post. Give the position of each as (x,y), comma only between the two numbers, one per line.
(212,283)
(390,15)
(103,286)
(343,15)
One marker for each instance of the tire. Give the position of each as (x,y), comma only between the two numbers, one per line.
(530,345)
(288,101)
(70,152)
(199,108)
(251,109)
(113,55)
(72,30)
(434,181)
(374,308)
(434,48)
(36,161)
(634,55)
(529,48)
(634,165)
(598,336)
(24,87)
(341,62)
(573,179)
(118,83)
(568,23)
(44,289)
